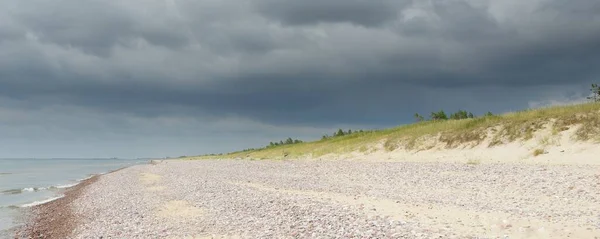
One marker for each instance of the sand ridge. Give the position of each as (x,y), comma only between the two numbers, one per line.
(178,209)
(486,224)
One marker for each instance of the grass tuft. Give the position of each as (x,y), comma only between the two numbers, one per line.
(538,152)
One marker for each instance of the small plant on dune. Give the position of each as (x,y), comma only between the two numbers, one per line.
(390,145)
(595,97)
(419,118)
(538,152)
(474,162)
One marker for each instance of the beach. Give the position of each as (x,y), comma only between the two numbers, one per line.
(25,183)
(327,199)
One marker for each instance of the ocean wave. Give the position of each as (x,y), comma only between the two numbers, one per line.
(10,207)
(31,189)
(88,177)
(42,201)
(1,173)
(22,190)
(12,191)
(65,186)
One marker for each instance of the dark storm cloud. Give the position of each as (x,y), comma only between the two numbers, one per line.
(96,26)
(277,62)
(93,26)
(360,12)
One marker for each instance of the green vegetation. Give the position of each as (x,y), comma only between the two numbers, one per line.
(595,89)
(441,115)
(340,133)
(286,142)
(460,129)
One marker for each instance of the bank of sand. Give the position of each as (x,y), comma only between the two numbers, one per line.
(330,199)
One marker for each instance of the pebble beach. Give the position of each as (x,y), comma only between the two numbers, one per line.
(328,199)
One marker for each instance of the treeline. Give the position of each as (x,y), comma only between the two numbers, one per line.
(340,132)
(286,142)
(441,115)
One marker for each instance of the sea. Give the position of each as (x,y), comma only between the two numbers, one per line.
(29,182)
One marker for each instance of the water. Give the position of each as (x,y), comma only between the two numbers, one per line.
(27,182)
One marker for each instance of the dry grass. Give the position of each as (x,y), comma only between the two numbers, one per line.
(509,127)
(538,152)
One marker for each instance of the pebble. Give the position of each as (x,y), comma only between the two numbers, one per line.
(275,199)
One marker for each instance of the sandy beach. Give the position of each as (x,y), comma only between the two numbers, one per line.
(328,199)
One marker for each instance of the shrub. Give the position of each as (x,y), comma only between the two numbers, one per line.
(440,115)
(419,117)
(461,114)
(538,152)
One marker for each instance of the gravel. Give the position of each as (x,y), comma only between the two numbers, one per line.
(340,199)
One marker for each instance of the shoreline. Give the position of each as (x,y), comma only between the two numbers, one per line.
(55,219)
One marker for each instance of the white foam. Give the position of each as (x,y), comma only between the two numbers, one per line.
(66,185)
(88,177)
(41,202)
(27,189)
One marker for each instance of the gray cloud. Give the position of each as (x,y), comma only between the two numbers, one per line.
(280,64)
(360,12)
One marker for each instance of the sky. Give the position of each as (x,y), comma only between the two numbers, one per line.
(158,78)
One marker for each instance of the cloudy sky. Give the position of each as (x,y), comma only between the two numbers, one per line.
(154,78)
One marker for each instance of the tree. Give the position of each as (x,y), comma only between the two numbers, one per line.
(324,137)
(461,114)
(340,132)
(488,114)
(296,141)
(440,115)
(289,141)
(419,117)
(471,115)
(595,97)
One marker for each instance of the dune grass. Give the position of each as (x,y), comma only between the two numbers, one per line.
(506,128)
